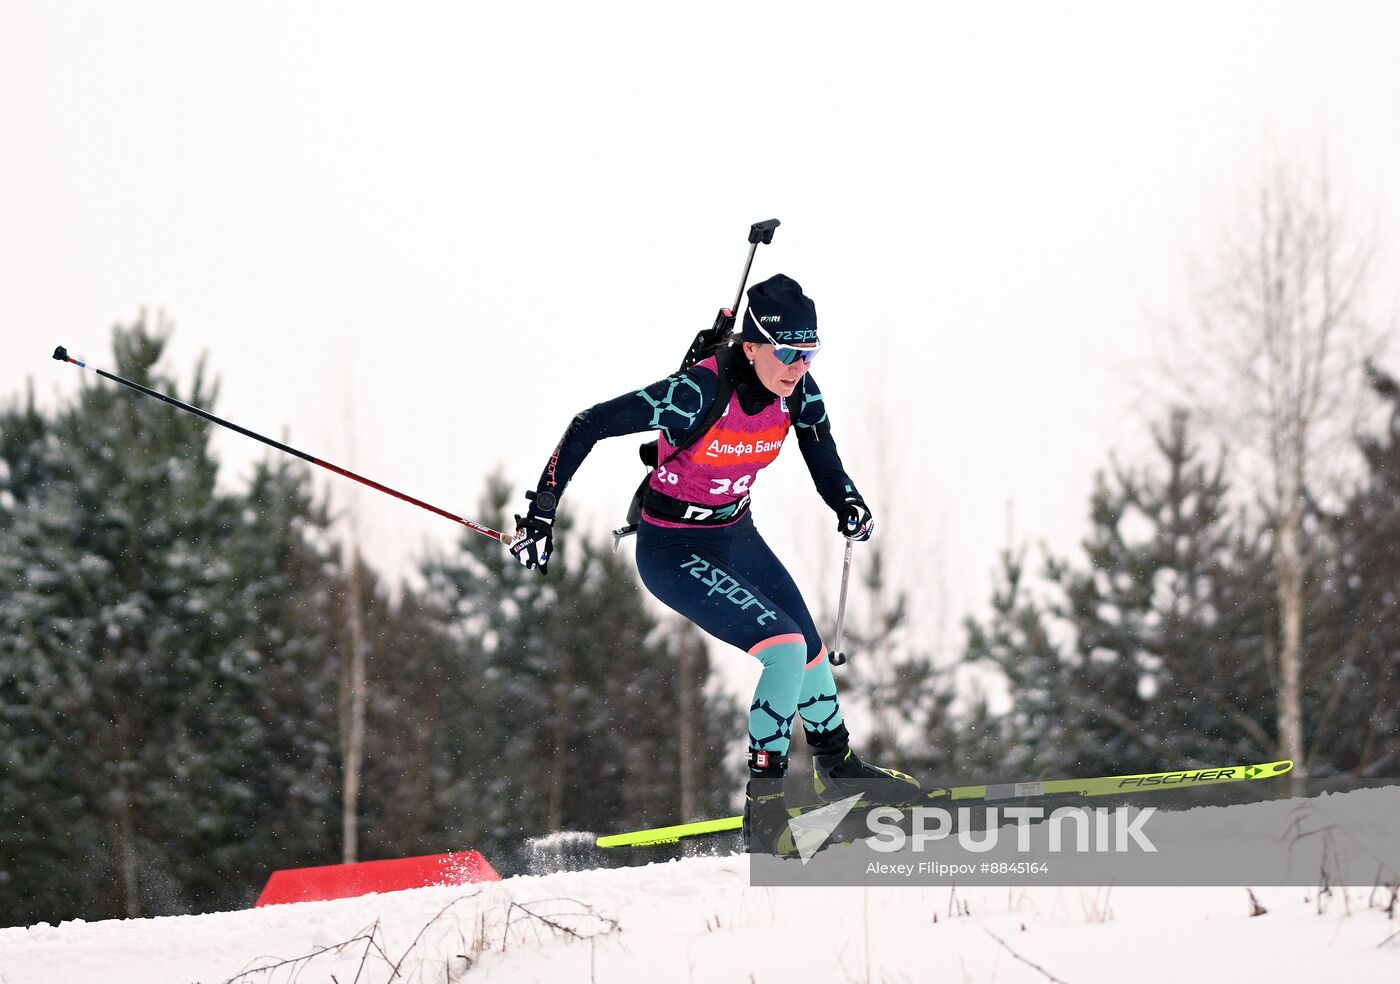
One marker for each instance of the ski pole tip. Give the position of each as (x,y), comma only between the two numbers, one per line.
(61,354)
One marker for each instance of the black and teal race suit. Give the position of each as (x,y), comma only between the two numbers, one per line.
(698,549)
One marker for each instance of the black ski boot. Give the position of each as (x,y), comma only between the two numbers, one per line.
(839,772)
(765,820)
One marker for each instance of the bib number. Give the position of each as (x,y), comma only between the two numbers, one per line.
(723,486)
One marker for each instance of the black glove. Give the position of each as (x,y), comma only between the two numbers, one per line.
(853,520)
(534,541)
(534,534)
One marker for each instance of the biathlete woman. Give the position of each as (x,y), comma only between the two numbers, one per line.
(698,550)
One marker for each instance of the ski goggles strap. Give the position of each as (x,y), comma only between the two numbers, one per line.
(788,354)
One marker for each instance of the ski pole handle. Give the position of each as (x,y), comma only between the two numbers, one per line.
(837,655)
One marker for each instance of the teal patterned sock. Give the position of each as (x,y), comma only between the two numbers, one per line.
(775,697)
(821,711)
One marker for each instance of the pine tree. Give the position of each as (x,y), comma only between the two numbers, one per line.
(499,622)
(283,595)
(1016,641)
(1169,626)
(620,718)
(709,735)
(1154,650)
(114,646)
(424,731)
(1355,714)
(159,659)
(889,680)
(1168,620)
(571,714)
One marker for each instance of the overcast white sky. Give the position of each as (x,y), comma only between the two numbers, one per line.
(462,223)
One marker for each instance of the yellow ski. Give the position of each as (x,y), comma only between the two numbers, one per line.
(1143,782)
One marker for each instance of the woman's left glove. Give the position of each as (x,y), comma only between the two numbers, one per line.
(853,520)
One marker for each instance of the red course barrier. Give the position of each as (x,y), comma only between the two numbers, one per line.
(343,881)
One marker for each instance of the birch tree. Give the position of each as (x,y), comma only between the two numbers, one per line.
(1275,355)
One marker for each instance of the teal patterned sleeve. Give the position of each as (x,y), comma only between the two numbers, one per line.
(672,406)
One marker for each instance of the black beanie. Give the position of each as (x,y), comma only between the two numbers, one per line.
(783,310)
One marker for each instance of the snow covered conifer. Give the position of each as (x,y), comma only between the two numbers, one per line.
(1170,615)
(140,734)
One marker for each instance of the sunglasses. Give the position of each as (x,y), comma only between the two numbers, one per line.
(789,354)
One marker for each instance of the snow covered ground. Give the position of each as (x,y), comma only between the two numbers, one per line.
(699,920)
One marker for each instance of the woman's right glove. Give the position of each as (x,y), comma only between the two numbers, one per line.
(534,537)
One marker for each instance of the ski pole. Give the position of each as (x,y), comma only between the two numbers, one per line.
(837,656)
(61,354)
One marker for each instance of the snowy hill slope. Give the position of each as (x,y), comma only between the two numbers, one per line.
(699,920)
